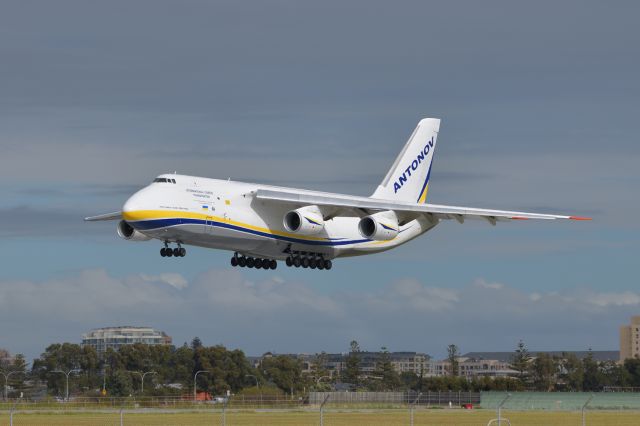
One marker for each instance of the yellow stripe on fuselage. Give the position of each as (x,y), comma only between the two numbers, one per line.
(140,215)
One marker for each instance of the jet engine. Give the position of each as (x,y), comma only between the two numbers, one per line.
(127,232)
(382,226)
(305,220)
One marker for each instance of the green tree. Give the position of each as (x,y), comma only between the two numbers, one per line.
(65,357)
(543,372)
(572,372)
(592,376)
(285,372)
(520,361)
(351,373)
(632,369)
(196,343)
(452,357)
(120,383)
(319,370)
(387,377)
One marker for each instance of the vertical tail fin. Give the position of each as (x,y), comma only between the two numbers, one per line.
(408,178)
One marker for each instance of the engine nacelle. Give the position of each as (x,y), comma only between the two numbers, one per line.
(381,226)
(127,232)
(305,220)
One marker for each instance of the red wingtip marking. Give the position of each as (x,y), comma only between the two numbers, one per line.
(579,218)
(519,218)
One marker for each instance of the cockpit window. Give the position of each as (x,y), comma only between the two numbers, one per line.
(164,180)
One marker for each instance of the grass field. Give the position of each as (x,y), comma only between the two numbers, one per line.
(333,417)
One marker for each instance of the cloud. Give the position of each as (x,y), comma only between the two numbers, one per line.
(174,280)
(484,284)
(272,313)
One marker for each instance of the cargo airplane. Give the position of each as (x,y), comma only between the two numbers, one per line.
(262,224)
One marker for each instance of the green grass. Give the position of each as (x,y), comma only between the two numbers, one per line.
(333,417)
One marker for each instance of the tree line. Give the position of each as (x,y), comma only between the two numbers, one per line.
(170,371)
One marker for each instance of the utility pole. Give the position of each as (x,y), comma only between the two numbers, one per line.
(6,380)
(66,373)
(142,376)
(195,376)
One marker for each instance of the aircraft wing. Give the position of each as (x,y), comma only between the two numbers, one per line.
(359,206)
(107,216)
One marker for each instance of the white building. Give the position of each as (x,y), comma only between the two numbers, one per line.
(102,339)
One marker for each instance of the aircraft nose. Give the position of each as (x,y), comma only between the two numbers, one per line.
(135,204)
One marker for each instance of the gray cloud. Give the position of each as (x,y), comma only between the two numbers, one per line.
(276,314)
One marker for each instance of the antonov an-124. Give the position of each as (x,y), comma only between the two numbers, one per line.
(262,224)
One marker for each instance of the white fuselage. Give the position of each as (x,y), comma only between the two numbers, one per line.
(225,215)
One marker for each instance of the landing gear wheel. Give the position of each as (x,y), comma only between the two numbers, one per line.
(168,252)
(234,261)
(242,262)
(320,264)
(296,262)
(305,262)
(312,263)
(289,262)
(273,264)
(251,262)
(176,252)
(163,252)
(183,252)
(266,263)
(327,264)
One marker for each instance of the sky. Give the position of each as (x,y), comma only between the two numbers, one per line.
(539,105)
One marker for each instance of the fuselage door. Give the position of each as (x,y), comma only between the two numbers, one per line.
(208,224)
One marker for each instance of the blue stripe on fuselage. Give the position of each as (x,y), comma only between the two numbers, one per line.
(163,223)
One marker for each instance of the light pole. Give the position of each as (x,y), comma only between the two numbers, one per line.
(320,378)
(142,376)
(251,375)
(6,380)
(66,373)
(195,376)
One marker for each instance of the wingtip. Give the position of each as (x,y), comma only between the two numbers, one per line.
(579,218)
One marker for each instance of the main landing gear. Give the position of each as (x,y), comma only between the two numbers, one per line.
(253,262)
(308,260)
(167,251)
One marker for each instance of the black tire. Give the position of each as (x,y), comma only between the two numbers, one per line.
(234,261)
(327,264)
(163,252)
(289,261)
(305,262)
(183,252)
(312,263)
(242,262)
(320,265)
(296,262)
(251,262)
(273,264)
(176,252)
(168,252)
